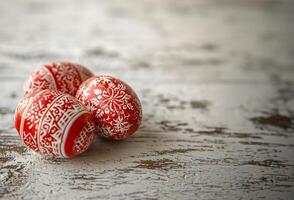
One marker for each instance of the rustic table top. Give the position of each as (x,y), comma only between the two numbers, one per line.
(215,78)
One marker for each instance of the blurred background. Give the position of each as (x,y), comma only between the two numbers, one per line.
(215,78)
(189,39)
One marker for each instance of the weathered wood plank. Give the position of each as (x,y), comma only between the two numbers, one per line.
(216,83)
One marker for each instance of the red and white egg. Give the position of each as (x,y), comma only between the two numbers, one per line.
(114,104)
(54,124)
(62,76)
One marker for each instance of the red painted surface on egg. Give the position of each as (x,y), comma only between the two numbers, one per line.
(62,76)
(114,105)
(54,124)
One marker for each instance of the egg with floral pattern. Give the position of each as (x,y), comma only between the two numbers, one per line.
(114,105)
(62,76)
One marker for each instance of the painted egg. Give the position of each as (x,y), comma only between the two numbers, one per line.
(54,124)
(62,76)
(114,105)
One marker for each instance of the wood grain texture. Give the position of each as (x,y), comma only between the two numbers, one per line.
(216,82)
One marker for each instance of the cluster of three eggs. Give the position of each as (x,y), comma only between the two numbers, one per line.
(65,106)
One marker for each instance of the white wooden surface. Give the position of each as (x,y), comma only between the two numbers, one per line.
(216,82)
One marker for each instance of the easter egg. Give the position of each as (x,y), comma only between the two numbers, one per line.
(114,104)
(62,76)
(54,124)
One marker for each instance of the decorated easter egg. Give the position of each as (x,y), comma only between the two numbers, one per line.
(114,104)
(54,124)
(62,76)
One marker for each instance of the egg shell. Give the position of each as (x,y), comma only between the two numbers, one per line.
(114,105)
(54,124)
(62,76)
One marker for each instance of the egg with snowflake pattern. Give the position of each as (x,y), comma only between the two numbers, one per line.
(114,104)
(54,124)
(62,76)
